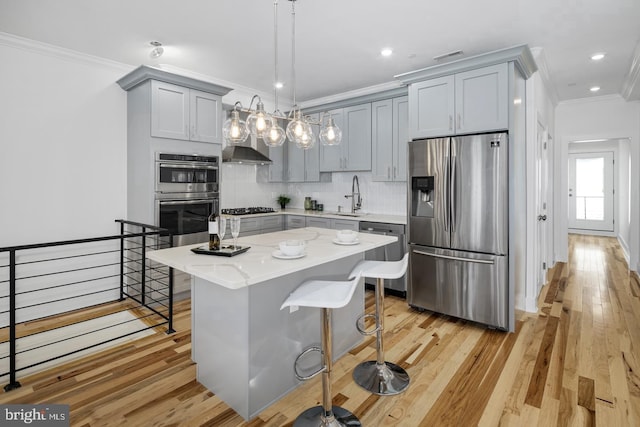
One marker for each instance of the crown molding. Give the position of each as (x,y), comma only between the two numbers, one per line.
(631,84)
(591,99)
(365,94)
(520,55)
(41,48)
(543,70)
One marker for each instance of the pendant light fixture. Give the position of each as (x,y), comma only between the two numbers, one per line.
(265,126)
(275,134)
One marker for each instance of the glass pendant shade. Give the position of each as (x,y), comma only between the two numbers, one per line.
(275,135)
(331,134)
(259,121)
(235,130)
(300,132)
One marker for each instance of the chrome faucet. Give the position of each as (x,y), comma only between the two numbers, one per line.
(356,200)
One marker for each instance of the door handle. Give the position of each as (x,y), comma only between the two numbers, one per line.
(454,258)
(542,217)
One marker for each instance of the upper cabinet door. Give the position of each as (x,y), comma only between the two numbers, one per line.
(169,111)
(357,120)
(400,137)
(431,111)
(205,116)
(295,162)
(382,140)
(312,157)
(482,99)
(331,157)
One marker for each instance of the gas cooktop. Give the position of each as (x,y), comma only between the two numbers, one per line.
(246,211)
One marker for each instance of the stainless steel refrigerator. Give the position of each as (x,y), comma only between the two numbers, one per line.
(458,228)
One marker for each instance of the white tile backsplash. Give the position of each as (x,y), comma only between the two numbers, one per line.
(240,189)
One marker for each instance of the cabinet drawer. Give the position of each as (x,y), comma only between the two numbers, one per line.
(249,225)
(319,222)
(343,224)
(271,223)
(295,221)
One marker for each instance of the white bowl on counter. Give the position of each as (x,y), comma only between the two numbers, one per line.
(292,247)
(346,236)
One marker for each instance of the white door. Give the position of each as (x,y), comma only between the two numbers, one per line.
(541,202)
(591,191)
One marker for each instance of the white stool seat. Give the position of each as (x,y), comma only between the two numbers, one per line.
(382,269)
(322,293)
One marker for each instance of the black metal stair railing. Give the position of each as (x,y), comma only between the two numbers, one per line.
(42,280)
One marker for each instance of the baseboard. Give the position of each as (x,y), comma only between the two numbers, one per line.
(625,250)
(591,232)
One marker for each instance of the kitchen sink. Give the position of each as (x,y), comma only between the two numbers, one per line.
(347,214)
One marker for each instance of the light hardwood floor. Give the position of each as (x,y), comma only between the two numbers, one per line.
(576,362)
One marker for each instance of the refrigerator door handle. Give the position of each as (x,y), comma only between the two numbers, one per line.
(446,193)
(454,258)
(452,187)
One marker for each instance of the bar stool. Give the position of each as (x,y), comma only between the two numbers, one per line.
(326,295)
(378,376)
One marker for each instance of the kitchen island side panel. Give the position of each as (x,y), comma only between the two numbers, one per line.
(251,345)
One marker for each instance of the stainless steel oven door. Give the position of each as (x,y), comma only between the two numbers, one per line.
(185,217)
(186,177)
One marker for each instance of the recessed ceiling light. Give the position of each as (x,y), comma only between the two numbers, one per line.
(278,85)
(597,56)
(157,50)
(595,88)
(387,51)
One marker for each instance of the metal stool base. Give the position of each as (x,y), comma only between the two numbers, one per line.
(314,417)
(383,379)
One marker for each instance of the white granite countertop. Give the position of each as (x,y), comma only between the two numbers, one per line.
(257,264)
(371,217)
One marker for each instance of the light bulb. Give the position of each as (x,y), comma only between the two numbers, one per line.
(259,121)
(331,134)
(274,136)
(234,129)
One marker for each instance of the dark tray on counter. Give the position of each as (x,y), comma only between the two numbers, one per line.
(223,251)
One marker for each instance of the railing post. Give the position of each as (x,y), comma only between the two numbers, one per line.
(122,261)
(13,384)
(143,277)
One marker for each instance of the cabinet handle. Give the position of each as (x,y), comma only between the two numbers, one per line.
(394,172)
(450,122)
(459,125)
(388,171)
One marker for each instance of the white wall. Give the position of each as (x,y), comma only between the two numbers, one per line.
(622,195)
(607,117)
(63,145)
(62,170)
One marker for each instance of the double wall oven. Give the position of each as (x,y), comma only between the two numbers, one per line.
(186,191)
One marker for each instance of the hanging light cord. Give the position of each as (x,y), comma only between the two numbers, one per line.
(293,50)
(275,53)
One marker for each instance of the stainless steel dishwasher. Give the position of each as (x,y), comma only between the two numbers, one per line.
(392,252)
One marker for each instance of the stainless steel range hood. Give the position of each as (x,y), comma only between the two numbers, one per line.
(244,154)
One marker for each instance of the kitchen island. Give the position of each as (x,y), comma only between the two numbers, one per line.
(243,344)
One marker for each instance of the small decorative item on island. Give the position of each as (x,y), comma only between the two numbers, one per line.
(283,200)
(307,203)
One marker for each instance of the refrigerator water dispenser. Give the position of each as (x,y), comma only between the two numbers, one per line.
(422,196)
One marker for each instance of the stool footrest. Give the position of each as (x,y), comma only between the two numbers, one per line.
(295,364)
(360,324)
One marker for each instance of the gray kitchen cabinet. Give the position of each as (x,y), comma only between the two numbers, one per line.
(318,222)
(295,221)
(271,223)
(304,165)
(400,137)
(389,123)
(354,152)
(250,226)
(295,162)
(470,101)
(277,167)
(345,224)
(187,114)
